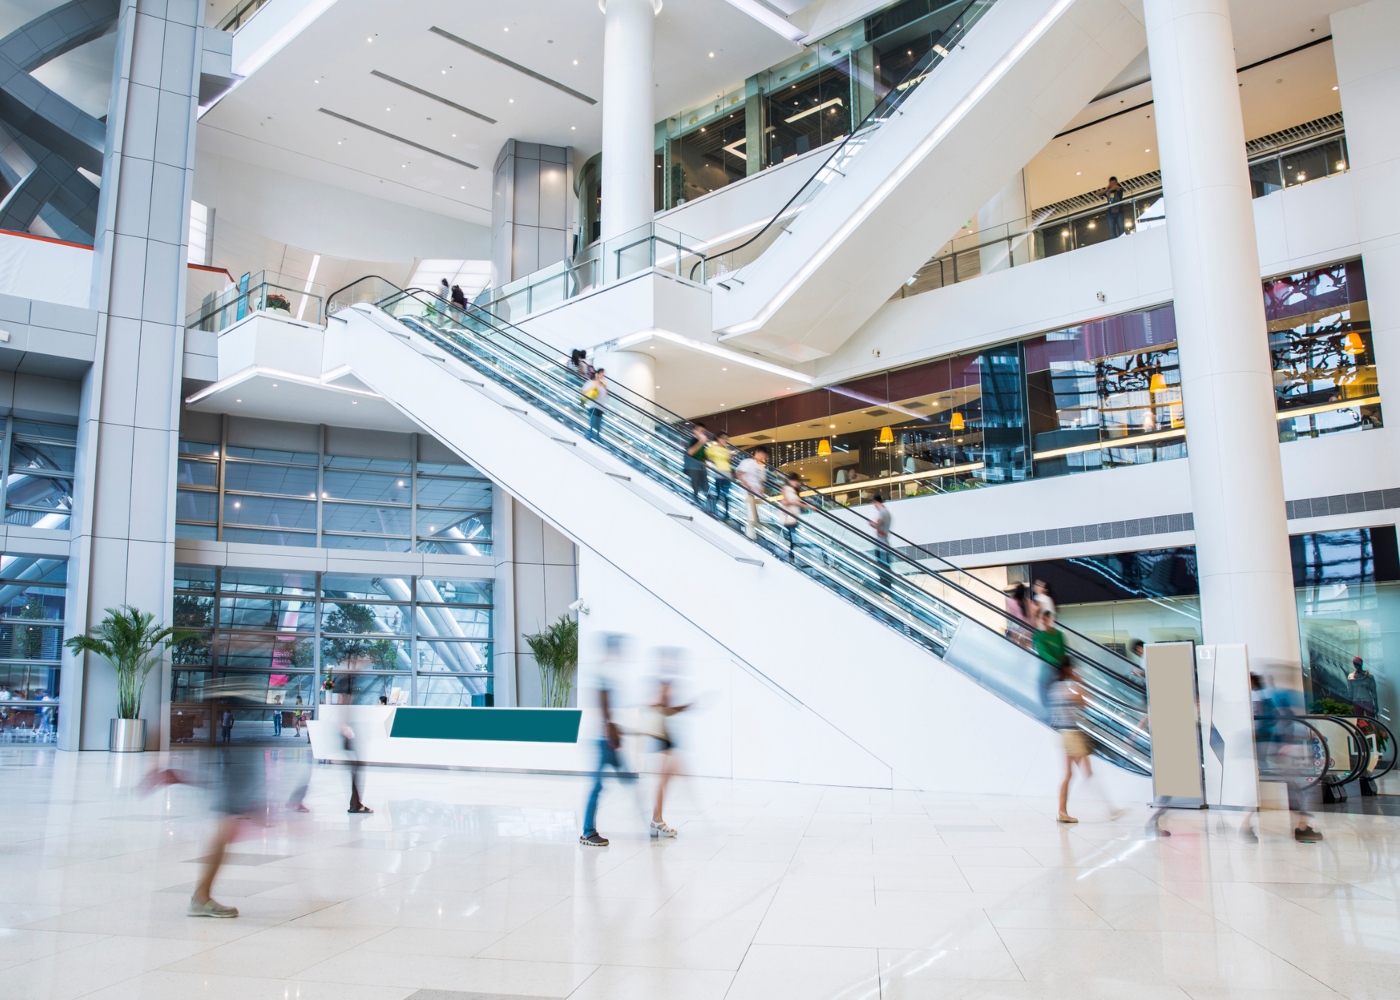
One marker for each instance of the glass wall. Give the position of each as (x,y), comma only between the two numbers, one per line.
(271,497)
(1088,397)
(41,460)
(1347,586)
(31,647)
(270,644)
(1323,357)
(704,158)
(1100,395)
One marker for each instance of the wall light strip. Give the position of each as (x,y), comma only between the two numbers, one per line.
(1127,442)
(691,344)
(1308,411)
(897,176)
(495,57)
(310,280)
(834,102)
(432,97)
(909,477)
(396,138)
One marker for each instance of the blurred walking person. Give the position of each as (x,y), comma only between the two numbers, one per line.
(1020,612)
(694,464)
(1065,700)
(792,505)
(880,521)
(459,297)
(721,459)
(357,807)
(595,399)
(660,729)
(237,781)
(752,474)
(608,681)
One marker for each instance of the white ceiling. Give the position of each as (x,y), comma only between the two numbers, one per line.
(273,117)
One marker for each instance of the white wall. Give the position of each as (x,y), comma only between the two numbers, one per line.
(319,217)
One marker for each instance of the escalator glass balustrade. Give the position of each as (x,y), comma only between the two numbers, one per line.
(949,612)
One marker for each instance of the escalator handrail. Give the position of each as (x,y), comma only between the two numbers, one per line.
(562,377)
(899,91)
(683,426)
(1354,771)
(1390,742)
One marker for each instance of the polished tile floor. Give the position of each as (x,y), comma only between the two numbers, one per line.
(466,885)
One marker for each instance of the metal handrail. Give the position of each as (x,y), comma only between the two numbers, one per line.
(899,91)
(660,418)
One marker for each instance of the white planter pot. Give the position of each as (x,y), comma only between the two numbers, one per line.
(127,736)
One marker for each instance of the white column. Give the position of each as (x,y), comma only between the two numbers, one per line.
(123,534)
(629,121)
(635,370)
(1001,218)
(1231,433)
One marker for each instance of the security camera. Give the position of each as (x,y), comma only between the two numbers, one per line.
(579,607)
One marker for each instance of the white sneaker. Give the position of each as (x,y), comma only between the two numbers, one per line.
(660,829)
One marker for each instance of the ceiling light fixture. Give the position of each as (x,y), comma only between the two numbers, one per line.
(768,18)
(834,102)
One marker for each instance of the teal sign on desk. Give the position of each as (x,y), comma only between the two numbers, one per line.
(513,725)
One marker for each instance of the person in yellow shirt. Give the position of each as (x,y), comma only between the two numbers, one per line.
(720,458)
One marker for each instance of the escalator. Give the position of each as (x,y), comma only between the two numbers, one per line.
(1003,78)
(513,405)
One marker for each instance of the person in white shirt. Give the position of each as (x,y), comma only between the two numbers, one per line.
(608,687)
(752,473)
(880,521)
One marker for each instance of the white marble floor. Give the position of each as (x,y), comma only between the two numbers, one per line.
(473,885)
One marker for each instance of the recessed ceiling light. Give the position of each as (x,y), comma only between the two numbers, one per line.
(724,369)
(369,39)
(354,402)
(274,385)
(1147,150)
(1334,88)
(712,55)
(1078,173)
(512,100)
(573,128)
(403,164)
(238,400)
(339,142)
(444,72)
(454,135)
(575,62)
(507,29)
(315,81)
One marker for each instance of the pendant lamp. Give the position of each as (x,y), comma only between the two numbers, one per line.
(823,447)
(886,436)
(957,423)
(1353,344)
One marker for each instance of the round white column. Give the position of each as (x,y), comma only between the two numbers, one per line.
(1231,432)
(634,370)
(629,122)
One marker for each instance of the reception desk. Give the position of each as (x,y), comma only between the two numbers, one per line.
(508,739)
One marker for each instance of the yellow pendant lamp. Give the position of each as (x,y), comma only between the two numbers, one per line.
(886,435)
(1353,344)
(823,447)
(957,423)
(1158,383)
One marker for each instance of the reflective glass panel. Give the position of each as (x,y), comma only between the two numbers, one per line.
(372,487)
(441,591)
(454,657)
(363,519)
(192,473)
(260,536)
(191,505)
(446,691)
(269,512)
(462,494)
(282,480)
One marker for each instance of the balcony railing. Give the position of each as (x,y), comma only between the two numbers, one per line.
(1063,227)
(649,248)
(241,15)
(265,292)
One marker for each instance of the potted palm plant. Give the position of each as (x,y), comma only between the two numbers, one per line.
(556,653)
(133,644)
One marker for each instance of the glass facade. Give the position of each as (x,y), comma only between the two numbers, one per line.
(270,644)
(271,497)
(1347,586)
(1088,397)
(1095,396)
(31,647)
(41,459)
(797,106)
(1323,358)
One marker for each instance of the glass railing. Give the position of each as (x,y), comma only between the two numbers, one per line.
(653,247)
(836,164)
(1050,233)
(929,600)
(265,292)
(241,15)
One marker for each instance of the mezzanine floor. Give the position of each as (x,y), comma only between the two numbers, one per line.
(474,884)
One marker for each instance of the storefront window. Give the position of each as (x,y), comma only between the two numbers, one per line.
(1323,358)
(1106,394)
(809,113)
(268,645)
(706,157)
(31,647)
